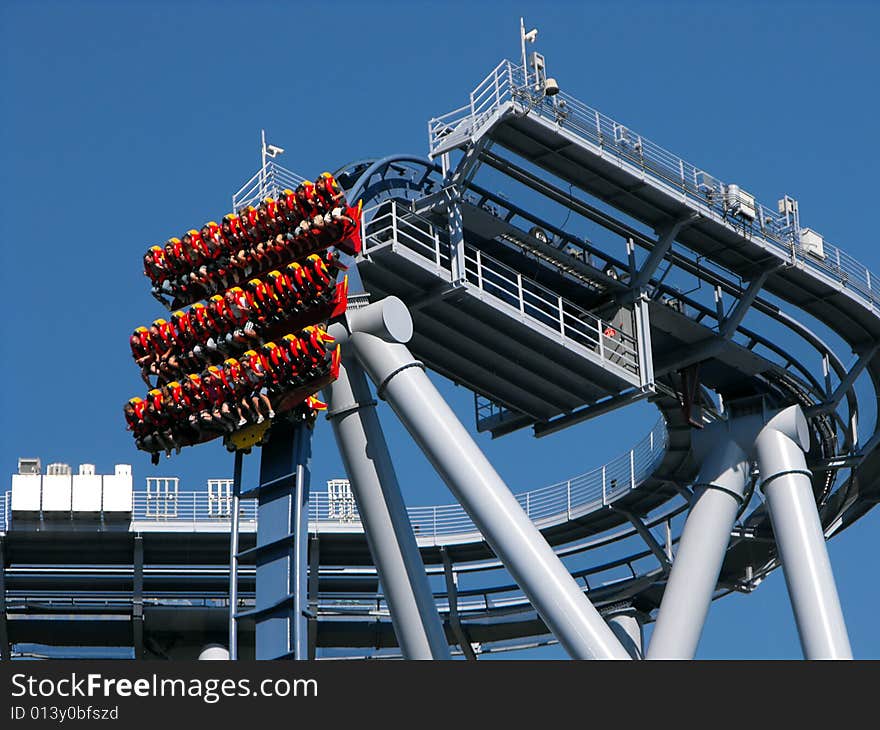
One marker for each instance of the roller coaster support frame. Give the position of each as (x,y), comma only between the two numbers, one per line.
(626,623)
(378,334)
(352,413)
(233,555)
(778,442)
(281,552)
(786,484)
(4,631)
(718,495)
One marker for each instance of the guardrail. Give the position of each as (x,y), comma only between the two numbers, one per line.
(554,503)
(560,501)
(506,86)
(532,300)
(268,180)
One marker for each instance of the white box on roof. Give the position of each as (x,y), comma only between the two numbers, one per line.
(117,491)
(57,493)
(26,492)
(812,242)
(87,493)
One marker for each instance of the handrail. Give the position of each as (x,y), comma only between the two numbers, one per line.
(560,501)
(505,87)
(502,282)
(268,180)
(547,505)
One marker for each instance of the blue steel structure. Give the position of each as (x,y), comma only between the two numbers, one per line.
(547,329)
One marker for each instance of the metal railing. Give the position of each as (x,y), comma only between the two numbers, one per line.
(557,502)
(504,284)
(269,180)
(505,89)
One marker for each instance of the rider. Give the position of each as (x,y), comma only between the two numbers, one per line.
(253,367)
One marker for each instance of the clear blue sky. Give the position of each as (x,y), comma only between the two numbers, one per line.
(125,123)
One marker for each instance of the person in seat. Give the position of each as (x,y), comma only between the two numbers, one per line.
(253,367)
(143,353)
(217,397)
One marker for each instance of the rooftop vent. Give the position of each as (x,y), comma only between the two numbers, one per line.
(60,470)
(28,465)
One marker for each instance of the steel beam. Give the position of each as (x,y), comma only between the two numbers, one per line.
(314,585)
(389,534)
(137,598)
(726,328)
(379,334)
(452,597)
(626,623)
(281,550)
(717,497)
(647,536)
(786,483)
(233,555)
(4,629)
(591,411)
(846,382)
(666,236)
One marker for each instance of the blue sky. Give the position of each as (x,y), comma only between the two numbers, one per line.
(125,123)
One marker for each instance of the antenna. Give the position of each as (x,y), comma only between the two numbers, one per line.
(523,37)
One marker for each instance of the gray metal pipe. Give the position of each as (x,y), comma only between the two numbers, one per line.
(786,483)
(233,555)
(352,413)
(718,494)
(519,545)
(626,623)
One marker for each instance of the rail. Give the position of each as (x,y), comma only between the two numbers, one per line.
(560,501)
(557,502)
(506,285)
(505,90)
(268,180)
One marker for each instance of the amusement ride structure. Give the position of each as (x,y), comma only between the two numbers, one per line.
(755,339)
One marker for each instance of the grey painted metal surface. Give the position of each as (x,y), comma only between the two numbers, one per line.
(352,413)
(785,481)
(233,554)
(718,495)
(626,623)
(282,544)
(402,381)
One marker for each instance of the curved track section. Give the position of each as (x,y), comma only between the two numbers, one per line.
(813,301)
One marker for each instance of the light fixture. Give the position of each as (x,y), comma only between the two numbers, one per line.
(551,88)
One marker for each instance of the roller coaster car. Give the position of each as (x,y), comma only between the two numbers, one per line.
(326,311)
(257,434)
(284,406)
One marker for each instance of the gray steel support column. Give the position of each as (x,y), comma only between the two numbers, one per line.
(717,497)
(452,597)
(281,550)
(314,585)
(786,483)
(303,442)
(626,623)
(233,555)
(4,631)
(352,412)
(137,598)
(516,541)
